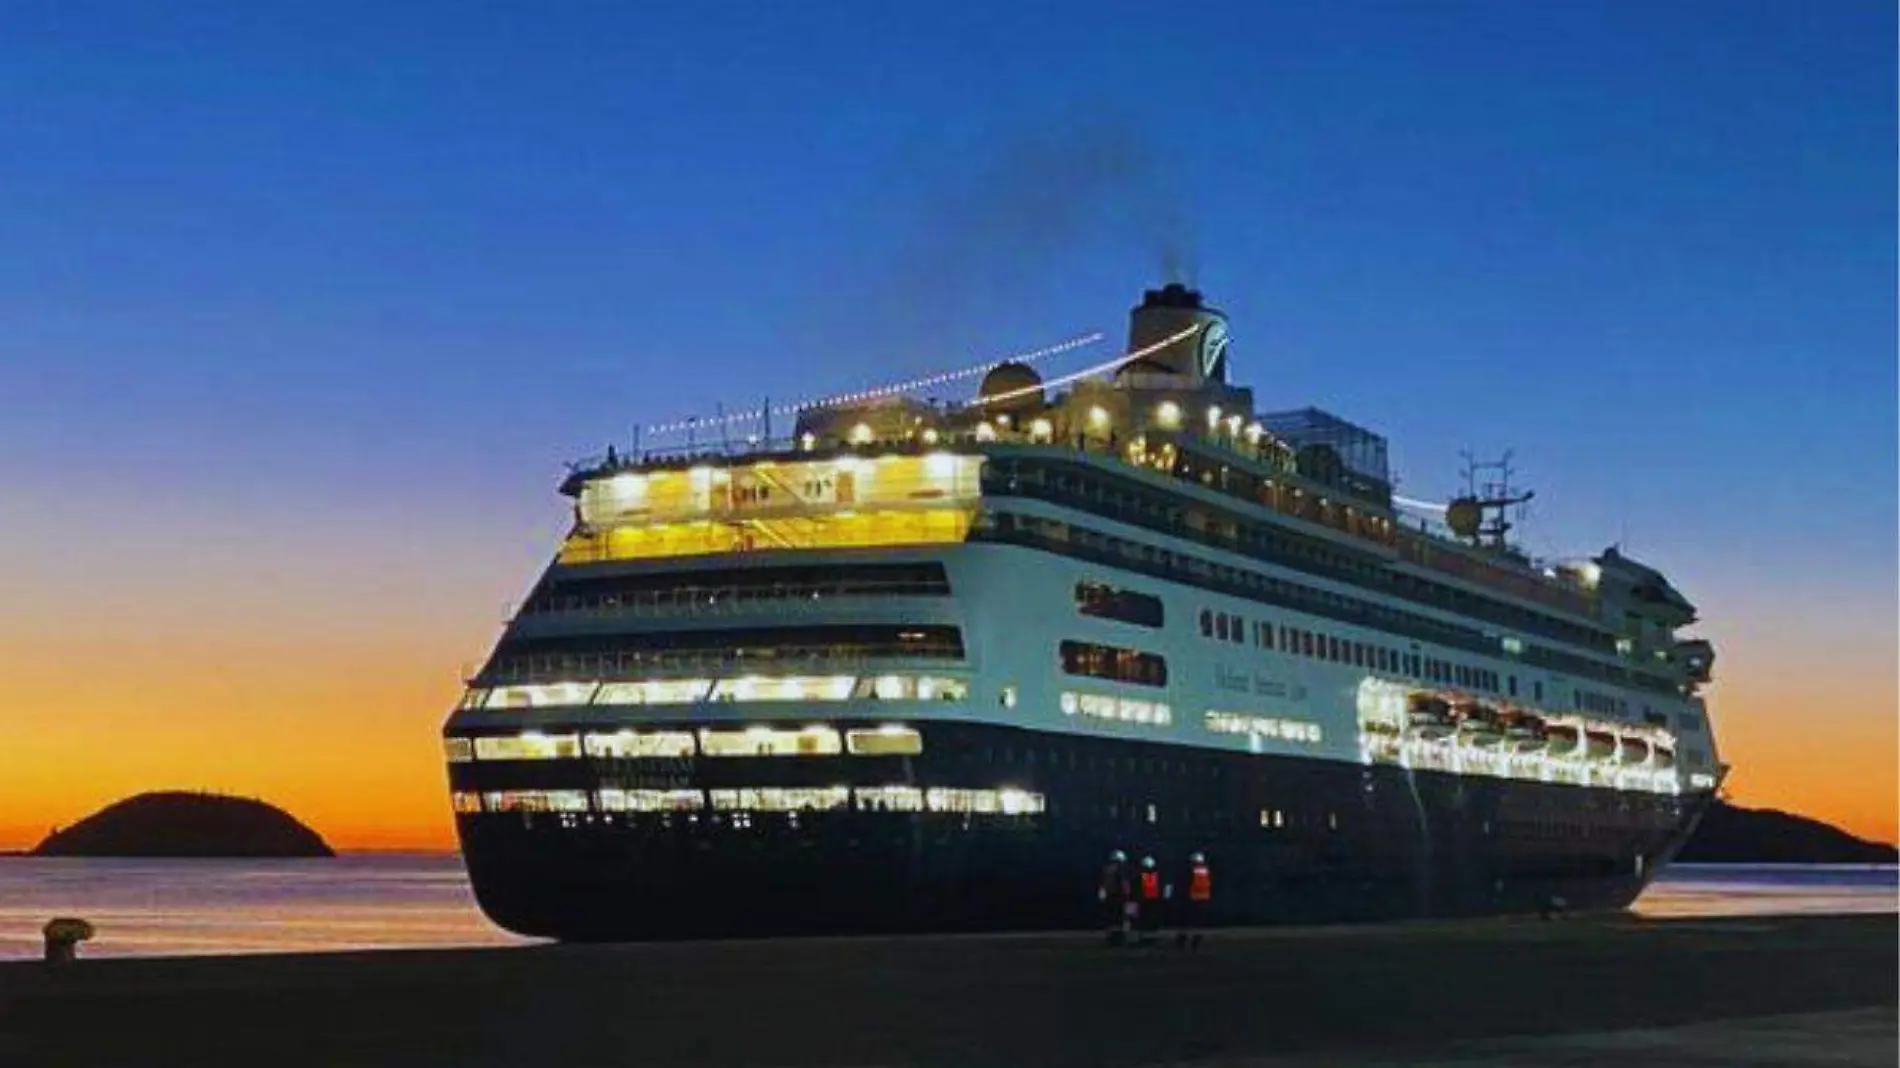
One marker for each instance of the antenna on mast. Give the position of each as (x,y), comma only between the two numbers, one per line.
(1482,515)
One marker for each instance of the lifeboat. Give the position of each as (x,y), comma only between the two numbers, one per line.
(1600,744)
(1479,725)
(1428,715)
(1563,740)
(1665,757)
(1633,751)
(1524,732)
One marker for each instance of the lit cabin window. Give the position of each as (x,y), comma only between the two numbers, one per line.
(649,800)
(889,799)
(543,695)
(780,798)
(1128,606)
(654,692)
(464,801)
(912,687)
(1125,709)
(458,750)
(885,741)
(474,698)
(1005,802)
(1268,728)
(1114,663)
(768,741)
(639,745)
(535,801)
(528,746)
(793,688)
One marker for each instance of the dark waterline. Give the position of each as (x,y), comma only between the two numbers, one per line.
(173,907)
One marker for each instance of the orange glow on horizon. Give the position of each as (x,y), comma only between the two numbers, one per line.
(323,692)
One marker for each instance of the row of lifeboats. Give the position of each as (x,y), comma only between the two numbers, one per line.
(1482,726)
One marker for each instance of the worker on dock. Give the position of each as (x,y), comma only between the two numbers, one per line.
(1113,894)
(1151,893)
(1195,906)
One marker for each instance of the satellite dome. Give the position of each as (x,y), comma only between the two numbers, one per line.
(1463,516)
(1017,381)
(1144,366)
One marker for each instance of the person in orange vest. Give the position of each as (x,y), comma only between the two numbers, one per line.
(1200,899)
(1150,892)
(1113,893)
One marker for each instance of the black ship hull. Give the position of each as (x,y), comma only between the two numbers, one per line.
(1289,840)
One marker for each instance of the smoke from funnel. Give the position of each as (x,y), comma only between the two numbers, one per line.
(1175,245)
(1011,216)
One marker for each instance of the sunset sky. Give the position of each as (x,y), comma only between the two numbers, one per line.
(303,307)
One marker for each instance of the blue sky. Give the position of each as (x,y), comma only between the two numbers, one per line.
(389,265)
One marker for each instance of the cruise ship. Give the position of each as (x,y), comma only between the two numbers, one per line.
(922,665)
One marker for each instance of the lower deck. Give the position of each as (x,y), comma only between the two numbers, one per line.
(991,827)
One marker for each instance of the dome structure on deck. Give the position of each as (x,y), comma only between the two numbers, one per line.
(1017,384)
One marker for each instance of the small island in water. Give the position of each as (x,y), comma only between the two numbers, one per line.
(182,824)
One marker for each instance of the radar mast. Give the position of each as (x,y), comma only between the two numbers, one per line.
(1482,515)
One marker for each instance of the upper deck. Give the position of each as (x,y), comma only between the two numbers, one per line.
(921,484)
(1159,429)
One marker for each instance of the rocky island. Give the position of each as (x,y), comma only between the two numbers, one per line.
(182,824)
(1729,834)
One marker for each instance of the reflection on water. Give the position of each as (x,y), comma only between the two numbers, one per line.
(1771,890)
(166,907)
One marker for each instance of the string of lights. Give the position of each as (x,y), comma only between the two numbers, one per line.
(1089,372)
(892,390)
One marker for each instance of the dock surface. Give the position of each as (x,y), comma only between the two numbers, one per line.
(1576,991)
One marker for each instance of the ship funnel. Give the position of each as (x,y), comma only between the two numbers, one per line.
(1201,356)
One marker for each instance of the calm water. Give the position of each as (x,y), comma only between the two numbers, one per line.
(164,907)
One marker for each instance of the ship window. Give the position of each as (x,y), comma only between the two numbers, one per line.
(779,798)
(474,698)
(889,798)
(458,750)
(535,801)
(731,648)
(544,695)
(1306,642)
(1237,631)
(1114,663)
(1127,606)
(769,741)
(654,692)
(465,801)
(649,800)
(1006,802)
(527,746)
(1126,709)
(1332,649)
(1511,682)
(1220,626)
(789,688)
(636,745)
(911,687)
(1207,623)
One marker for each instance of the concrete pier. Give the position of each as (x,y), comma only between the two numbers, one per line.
(1577,991)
